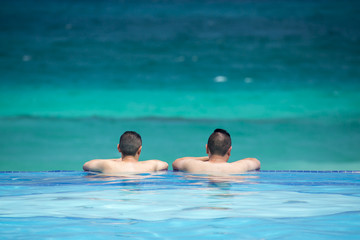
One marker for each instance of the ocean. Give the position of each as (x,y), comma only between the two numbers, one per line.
(282,77)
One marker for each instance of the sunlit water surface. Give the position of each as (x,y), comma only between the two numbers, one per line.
(258,205)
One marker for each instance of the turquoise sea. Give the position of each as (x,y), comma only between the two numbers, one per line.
(282,77)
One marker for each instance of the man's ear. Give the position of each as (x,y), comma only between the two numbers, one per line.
(229,151)
(139,150)
(118,147)
(207,149)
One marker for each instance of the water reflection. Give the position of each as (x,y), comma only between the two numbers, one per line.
(224,178)
(133,180)
(220,181)
(158,179)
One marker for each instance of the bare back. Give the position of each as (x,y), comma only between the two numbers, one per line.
(132,167)
(240,166)
(118,166)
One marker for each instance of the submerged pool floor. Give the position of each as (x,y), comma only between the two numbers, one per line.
(257,205)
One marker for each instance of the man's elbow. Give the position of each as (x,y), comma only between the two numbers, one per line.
(91,166)
(164,166)
(176,164)
(253,164)
(257,164)
(86,166)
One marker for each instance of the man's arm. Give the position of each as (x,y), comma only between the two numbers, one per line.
(178,164)
(96,165)
(249,163)
(161,165)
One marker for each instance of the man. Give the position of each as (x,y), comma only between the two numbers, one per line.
(218,150)
(129,146)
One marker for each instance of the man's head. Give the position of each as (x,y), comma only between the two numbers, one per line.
(129,144)
(219,142)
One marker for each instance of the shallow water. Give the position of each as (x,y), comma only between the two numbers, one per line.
(259,205)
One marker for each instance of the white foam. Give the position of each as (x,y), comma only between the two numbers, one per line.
(220,79)
(248,80)
(26,58)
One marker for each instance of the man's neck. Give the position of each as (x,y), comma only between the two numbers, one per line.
(130,159)
(218,159)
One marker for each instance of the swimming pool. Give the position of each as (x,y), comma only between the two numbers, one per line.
(257,205)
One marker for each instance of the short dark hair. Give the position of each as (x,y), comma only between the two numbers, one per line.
(219,142)
(129,143)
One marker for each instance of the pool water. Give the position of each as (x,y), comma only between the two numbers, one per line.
(176,205)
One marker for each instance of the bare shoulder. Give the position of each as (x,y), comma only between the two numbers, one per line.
(158,164)
(152,161)
(248,164)
(183,163)
(99,165)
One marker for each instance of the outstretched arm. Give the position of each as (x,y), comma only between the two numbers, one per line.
(96,165)
(249,164)
(178,164)
(161,166)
